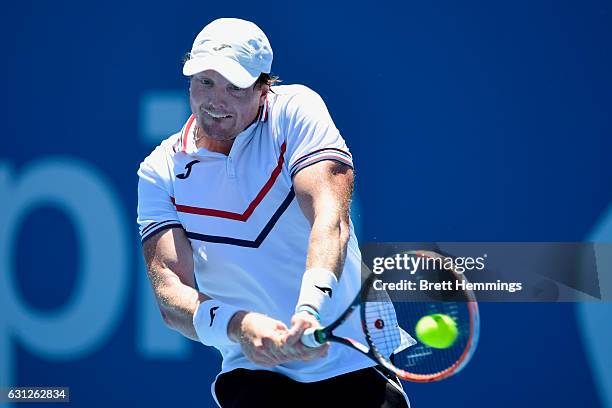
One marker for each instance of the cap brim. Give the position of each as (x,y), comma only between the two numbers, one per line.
(229,68)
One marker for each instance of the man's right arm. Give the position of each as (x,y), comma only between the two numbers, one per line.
(169,261)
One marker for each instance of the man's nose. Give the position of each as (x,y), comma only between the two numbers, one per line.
(218,98)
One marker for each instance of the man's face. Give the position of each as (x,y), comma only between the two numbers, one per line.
(222,109)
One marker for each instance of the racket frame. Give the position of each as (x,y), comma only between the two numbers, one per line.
(320,336)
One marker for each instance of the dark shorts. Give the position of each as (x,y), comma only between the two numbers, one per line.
(366,388)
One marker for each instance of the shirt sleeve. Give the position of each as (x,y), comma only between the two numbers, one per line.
(311,133)
(156,211)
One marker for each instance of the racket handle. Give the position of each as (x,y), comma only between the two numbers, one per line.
(310,338)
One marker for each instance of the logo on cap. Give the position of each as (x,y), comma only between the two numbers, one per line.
(222,46)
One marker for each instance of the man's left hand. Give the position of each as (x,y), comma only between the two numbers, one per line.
(292,340)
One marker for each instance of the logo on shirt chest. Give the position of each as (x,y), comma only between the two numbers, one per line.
(187,172)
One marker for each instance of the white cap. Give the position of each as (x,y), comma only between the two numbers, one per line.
(236,49)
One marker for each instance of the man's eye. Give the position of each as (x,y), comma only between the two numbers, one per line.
(234,88)
(205,82)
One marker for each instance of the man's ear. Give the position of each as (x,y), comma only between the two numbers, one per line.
(264,92)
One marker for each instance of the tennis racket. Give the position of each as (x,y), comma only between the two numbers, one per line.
(387,320)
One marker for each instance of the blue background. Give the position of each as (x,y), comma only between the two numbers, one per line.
(469,121)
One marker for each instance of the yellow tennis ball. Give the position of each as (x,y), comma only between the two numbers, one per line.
(437,330)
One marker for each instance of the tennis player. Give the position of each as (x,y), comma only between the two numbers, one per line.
(244,219)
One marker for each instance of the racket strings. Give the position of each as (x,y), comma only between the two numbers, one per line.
(423,359)
(384,320)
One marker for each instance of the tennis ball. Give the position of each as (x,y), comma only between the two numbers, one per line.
(436,330)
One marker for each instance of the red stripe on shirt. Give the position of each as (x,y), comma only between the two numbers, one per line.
(252,206)
(186,132)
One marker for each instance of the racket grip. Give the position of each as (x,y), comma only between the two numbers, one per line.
(309,338)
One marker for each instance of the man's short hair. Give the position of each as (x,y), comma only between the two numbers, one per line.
(267,79)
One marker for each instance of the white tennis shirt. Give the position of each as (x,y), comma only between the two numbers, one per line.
(248,233)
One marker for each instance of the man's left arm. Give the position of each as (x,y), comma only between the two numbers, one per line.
(324,192)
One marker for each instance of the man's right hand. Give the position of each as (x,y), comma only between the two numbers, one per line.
(260,337)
